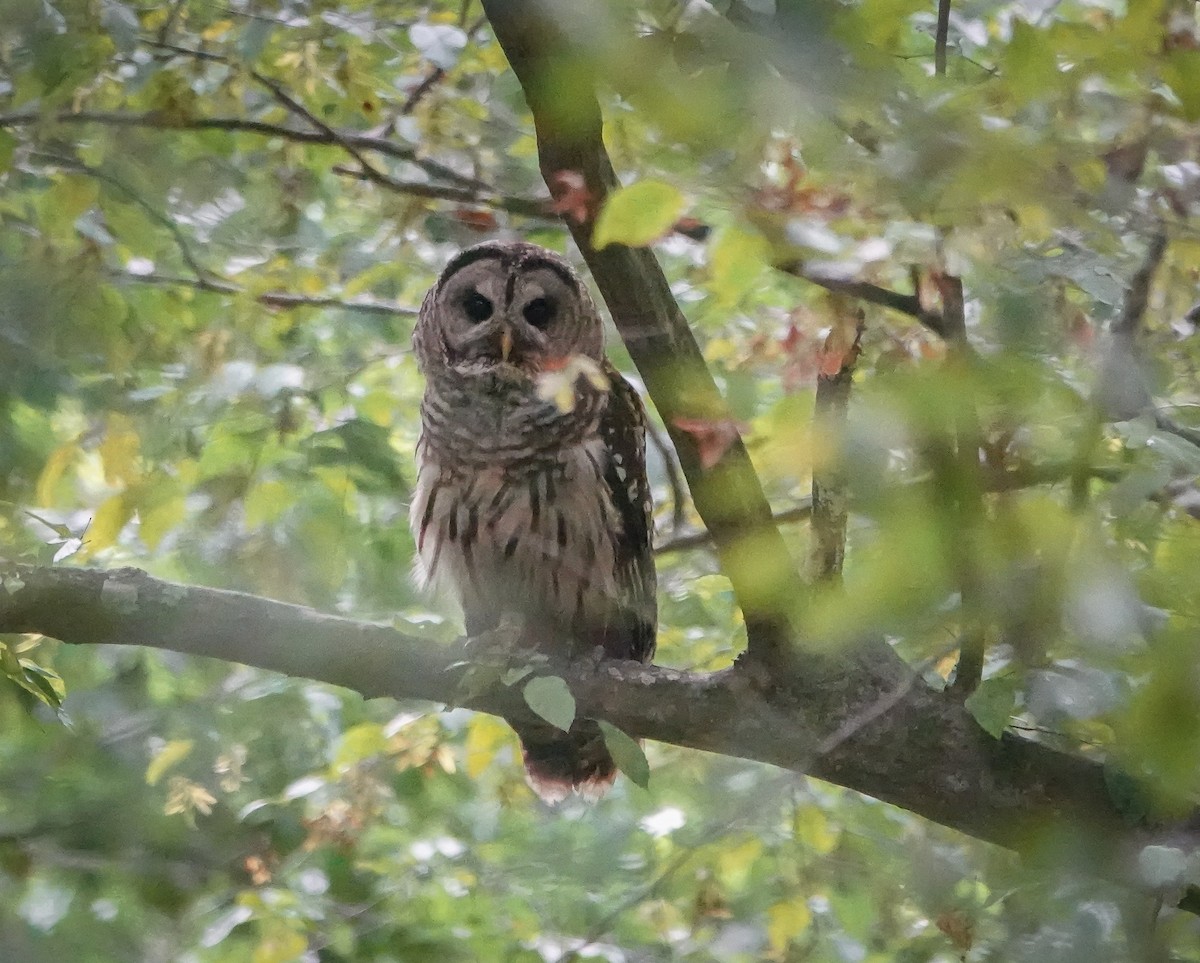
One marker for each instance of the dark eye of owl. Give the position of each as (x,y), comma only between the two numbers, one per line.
(478,307)
(539,312)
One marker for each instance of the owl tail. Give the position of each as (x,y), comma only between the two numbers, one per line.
(559,763)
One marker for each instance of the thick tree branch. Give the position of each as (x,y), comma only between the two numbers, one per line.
(561,96)
(899,742)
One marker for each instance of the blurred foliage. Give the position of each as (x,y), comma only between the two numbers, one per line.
(215,221)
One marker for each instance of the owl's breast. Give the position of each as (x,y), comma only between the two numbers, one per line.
(537,539)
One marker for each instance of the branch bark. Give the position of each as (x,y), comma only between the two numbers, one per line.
(456,187)
(728,497)
(892,739)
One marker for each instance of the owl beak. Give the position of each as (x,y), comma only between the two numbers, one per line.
(506,343)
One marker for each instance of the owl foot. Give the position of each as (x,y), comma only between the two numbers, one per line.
(495,657)
(498,645)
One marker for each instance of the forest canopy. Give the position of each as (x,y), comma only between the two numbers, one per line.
(910,289)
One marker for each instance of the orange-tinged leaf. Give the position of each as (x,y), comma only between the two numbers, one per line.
(958,928)
(712,437)
(572,199)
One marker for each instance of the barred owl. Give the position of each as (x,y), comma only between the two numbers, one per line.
(522,506)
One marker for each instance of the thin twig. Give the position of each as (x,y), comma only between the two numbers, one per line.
(1121,391)
(1008,480)
(525,206)
(908,304)
(964,480)
(181,240)
(704,539)
(830,495)
(274,299)
(679,498)
(164,122)
(943,33)
(417,94)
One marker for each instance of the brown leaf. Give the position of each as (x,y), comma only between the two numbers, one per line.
(841,347)
(572,199)
(477,220)
(693,228)
(958,928)
(712,438)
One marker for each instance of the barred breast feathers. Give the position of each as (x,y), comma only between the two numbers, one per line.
(502,515)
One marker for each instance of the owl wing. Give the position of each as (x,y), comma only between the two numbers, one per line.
(623,429)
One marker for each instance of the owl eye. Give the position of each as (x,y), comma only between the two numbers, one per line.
(539,312)
(478,307)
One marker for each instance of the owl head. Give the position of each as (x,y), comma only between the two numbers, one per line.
(506,305)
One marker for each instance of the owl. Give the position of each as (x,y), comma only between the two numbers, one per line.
(524,504)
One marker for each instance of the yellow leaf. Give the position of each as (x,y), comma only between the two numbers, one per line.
(112,516)
(217,29)
(813,830)
(53,470)
(159,518)
(119,451)
(486,737)
(280,945)
(736,262)
(786,921)
(75,193)
(734,863)
(358,743)
(639,214)
(266,502)
(173,752)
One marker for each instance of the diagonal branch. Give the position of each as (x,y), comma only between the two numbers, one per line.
(908,304)
(728,496)
(901,743)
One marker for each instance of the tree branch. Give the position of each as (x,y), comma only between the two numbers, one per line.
(897,741)
(940,38)
(908,304)
(830,492)
(340,138)
(273,299)
(728,497)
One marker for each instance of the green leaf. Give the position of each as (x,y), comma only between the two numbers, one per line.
(50,687)
(736,263)
(639,214)
(627,754)
(358,743)
(8,143)
(550,698)
(1182,71)
(993,702)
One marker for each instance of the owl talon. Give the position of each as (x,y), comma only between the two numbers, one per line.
(497,646)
